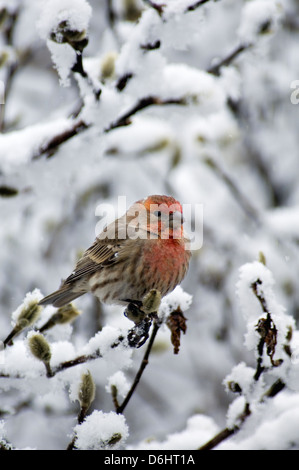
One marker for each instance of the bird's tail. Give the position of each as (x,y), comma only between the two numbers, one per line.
(61,297)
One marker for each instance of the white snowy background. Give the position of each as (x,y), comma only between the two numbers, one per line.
(229,142)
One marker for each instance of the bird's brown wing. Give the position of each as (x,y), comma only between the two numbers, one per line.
(102,252)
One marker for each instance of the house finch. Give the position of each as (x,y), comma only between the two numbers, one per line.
(143,250)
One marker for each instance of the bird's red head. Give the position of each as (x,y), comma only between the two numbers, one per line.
(164,216)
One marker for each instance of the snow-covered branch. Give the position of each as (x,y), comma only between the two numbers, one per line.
(194,99)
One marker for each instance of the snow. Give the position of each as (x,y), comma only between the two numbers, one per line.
(276,427)
(119,381)
(76,13)
(64,57)
(174,300)
(199,429)
(31,297)
(230,148)
(250,273)
(99,430)
(19,147)
(256,14)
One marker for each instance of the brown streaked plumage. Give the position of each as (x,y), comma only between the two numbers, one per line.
(121,267)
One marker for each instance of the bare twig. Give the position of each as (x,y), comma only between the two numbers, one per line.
(123,81)
(216,69)
(196,5)
(53,144)
(78,68)
(75,362)
(275,388)
(227,432)
(143,103)
(151,46)
(157,6)
(111,13)
(240,197)
(120,408)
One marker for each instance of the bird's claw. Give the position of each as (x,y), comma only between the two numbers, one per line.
(136,310)
(138,335)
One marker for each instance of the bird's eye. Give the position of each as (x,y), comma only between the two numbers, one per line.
(158,214)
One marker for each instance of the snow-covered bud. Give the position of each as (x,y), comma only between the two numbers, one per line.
(66,21)
(259,17)
(86,391)
(28,316)
(65,34)
(101,431)
(25,315)
(132,10)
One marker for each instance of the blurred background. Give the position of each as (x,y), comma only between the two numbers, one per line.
(232,147)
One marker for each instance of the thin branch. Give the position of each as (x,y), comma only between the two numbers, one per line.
(79,126)
(156,6)
(144,363)
(159,7)
(53,144)
(143,103)
(268,333)
(240,197)
(227,432)
(123,81)
(216,69)
(78,68)
(135,338)
(196,5)
(111,13)
(220,437)
(75,362)
(275,388)
(151,46)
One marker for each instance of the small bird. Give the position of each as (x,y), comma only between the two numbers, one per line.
(144,250)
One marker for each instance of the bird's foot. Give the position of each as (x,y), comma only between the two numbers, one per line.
(137,310)
(138,335)
(142,314)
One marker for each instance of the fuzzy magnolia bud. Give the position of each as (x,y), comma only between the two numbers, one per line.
(65,314)
(108,65)
(4,56)
(114,439)
(29,315)
(262,258)
(40,348)
(151,301)
(86,391)
(132,10)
